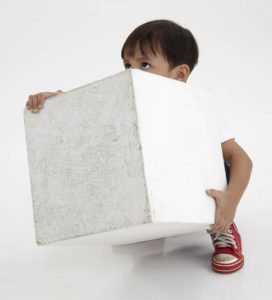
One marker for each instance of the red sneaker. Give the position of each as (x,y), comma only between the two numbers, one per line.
(228,256)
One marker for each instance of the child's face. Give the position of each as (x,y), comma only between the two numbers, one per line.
(155,64)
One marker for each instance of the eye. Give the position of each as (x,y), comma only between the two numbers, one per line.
(146,64)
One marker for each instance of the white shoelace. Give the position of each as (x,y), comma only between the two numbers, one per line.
(224,239)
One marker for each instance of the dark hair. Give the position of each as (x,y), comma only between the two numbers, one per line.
(176,43)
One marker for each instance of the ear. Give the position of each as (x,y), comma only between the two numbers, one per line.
(182,72)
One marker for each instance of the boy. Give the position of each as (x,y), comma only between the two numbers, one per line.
(165,48)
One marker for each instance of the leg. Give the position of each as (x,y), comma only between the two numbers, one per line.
(227,258)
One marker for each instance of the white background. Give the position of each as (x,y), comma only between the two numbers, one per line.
(51,45)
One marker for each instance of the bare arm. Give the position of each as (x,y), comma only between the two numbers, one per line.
(240,169)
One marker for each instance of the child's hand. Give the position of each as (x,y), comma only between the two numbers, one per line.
(35,102)
(225,210)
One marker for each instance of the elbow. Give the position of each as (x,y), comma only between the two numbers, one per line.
(249,160)
(243,155)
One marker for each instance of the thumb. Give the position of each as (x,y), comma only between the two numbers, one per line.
(213,193)
(59,91)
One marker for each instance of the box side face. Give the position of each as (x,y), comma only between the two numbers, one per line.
(181,149)
(85,162)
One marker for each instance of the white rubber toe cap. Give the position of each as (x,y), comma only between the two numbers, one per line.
(225,258)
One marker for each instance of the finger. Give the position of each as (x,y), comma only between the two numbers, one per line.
(227,227)
(28,103)
(31,102)
(218,227)
(35,102)
(215,229)
(224,229)
(47,95)
(217,222)
(40,100)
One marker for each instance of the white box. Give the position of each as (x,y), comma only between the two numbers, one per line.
(122,160)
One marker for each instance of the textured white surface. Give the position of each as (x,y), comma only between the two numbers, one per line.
(123,159)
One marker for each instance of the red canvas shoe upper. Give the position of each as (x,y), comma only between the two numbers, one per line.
(227,243)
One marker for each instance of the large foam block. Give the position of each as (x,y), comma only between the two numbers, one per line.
(122,160)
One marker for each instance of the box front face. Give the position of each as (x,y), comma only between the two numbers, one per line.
(85,161)
(181,149)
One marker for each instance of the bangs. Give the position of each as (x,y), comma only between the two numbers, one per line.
(146,46)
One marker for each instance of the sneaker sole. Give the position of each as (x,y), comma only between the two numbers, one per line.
(227,268)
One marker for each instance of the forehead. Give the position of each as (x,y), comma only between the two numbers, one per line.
(138,54)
